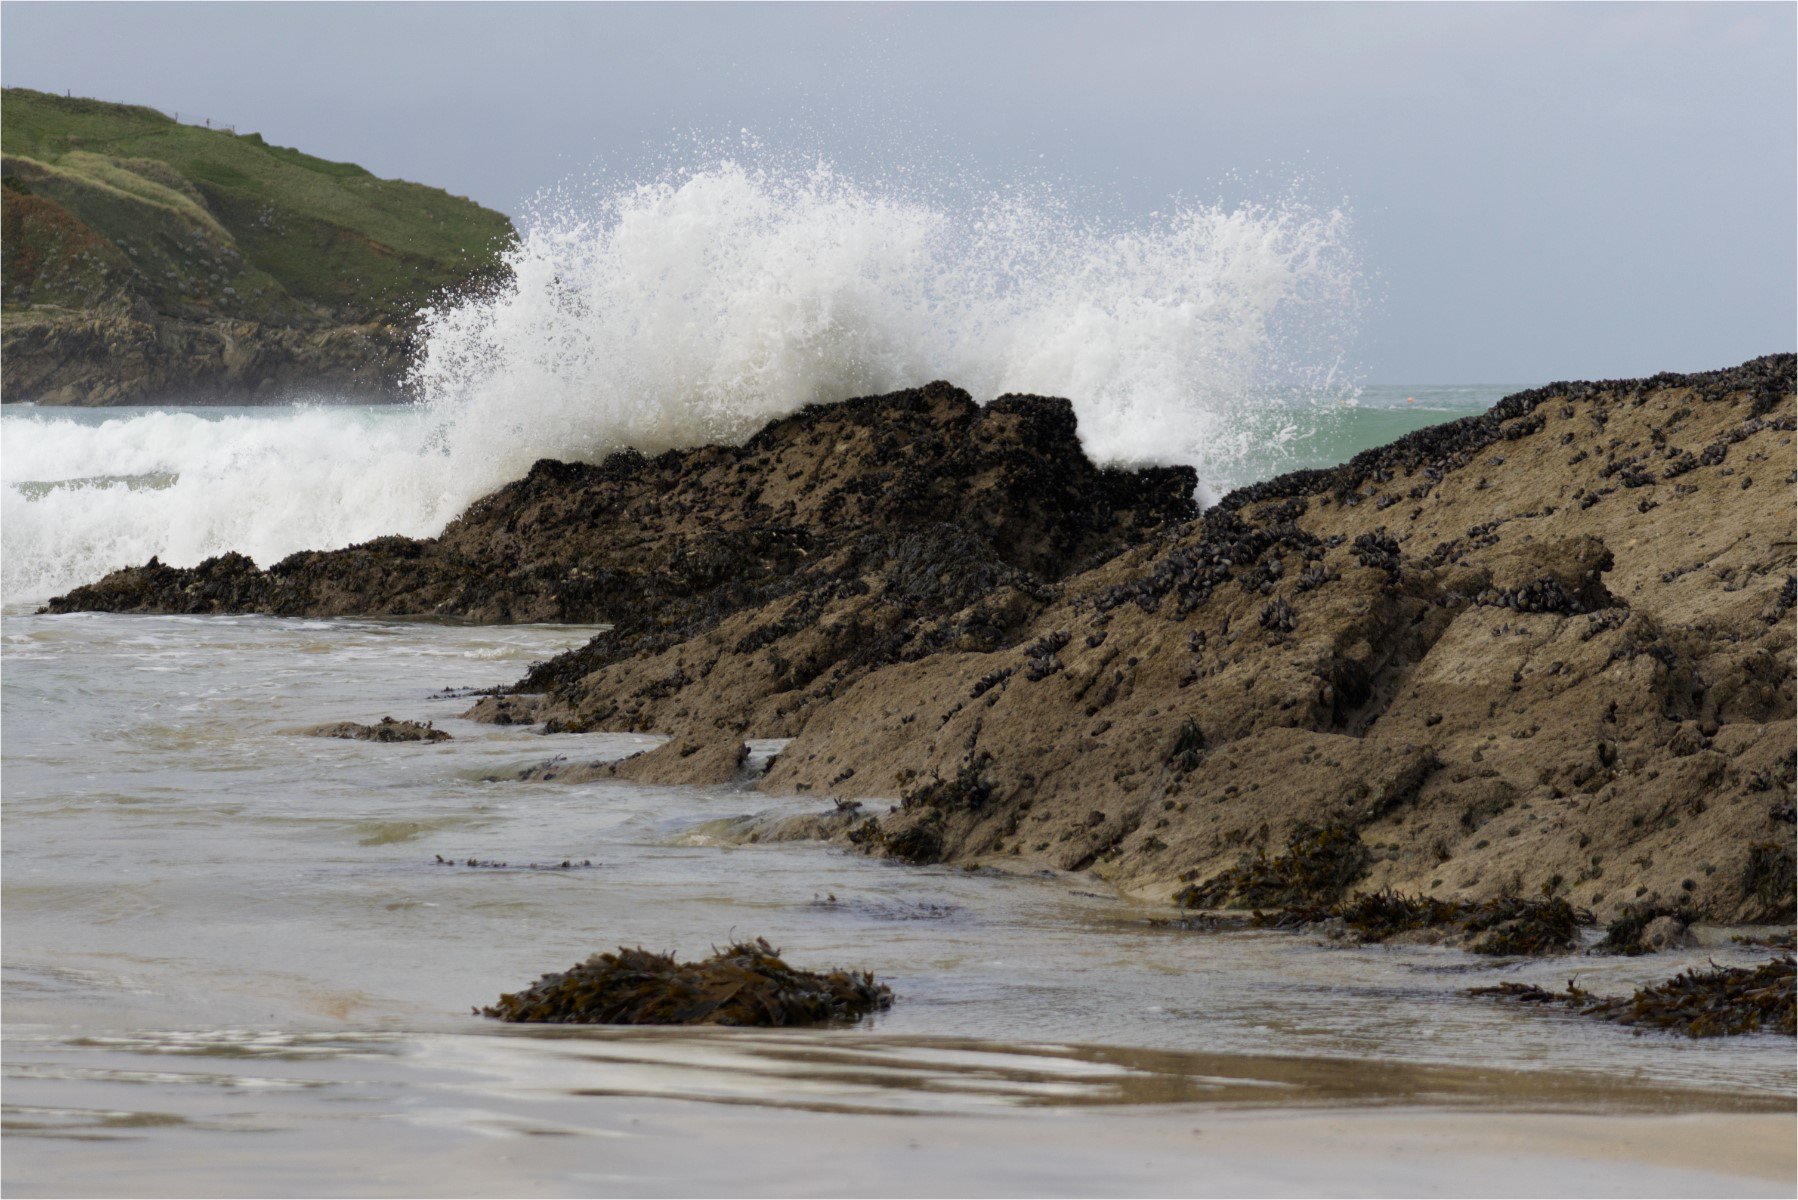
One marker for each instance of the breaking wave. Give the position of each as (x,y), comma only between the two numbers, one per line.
(694,308)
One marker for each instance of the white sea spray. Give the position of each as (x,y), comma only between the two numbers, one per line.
(698,305)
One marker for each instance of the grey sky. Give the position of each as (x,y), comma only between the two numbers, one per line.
(1543,191)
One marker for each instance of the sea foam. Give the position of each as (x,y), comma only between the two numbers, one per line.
(699,305)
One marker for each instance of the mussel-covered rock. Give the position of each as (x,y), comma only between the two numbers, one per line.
(744,984)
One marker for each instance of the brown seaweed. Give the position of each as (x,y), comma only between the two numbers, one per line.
(743,984)
(1517,926)
(1624,935)
(1510,925)
(1769,880)
(1318,865)
(489,864)
(1721,1002)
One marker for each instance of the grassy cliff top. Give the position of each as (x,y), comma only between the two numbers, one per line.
(115,207)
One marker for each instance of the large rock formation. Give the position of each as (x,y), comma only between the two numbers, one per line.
(1546,650)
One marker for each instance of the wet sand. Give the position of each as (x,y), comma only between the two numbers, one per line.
(667,1148)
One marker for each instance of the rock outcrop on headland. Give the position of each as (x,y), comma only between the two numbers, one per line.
(86,357)
(1546,651)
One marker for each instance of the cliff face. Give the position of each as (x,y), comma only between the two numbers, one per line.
(145,259)
(1547,649)
(90,358)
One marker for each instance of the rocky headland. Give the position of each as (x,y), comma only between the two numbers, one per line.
(1544,654)
(148,259)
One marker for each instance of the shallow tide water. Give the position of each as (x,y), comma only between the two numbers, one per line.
(234,965)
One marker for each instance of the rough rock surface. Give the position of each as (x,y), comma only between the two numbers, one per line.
(1544,651)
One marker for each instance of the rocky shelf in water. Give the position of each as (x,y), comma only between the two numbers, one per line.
(1542,652)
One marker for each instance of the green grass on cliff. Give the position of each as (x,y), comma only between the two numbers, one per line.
(117,207)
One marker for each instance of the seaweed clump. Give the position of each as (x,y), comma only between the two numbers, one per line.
(489,864)
(1319,864)
(916,841)
(744,984)
(1632,933)
(1511,925)
(1514,926)
(1718,1003)
(1769,881)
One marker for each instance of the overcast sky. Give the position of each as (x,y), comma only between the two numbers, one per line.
(1541,191)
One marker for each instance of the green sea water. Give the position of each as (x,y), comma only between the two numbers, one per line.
(1325,429)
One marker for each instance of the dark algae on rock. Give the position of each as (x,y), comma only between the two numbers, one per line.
(1507,925)
(744,984)
(1318,865)
(1717,1003)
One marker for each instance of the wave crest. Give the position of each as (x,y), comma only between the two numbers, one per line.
(696,307)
